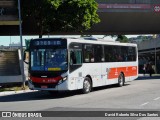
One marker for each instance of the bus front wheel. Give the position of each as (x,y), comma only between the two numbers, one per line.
(87,85)
(121,80)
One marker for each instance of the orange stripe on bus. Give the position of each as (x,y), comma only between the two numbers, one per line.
(128,71)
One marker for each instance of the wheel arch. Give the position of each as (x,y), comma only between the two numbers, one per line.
(90,79)
(123,75)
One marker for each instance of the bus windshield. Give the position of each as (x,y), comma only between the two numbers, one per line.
(49,59)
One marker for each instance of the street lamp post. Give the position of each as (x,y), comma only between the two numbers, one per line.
(21,42)
(155,57)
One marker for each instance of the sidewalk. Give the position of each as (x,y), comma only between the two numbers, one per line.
(146,77)
(15,92)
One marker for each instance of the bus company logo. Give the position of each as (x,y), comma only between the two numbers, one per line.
(21,114)
(157,8)
(6,114)
(133,68)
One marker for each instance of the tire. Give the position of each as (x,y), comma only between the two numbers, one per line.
(87,85)
(121,80)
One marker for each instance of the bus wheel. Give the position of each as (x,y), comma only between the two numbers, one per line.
(87,85)
(121,80)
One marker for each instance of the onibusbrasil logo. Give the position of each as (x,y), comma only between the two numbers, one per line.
(21,114)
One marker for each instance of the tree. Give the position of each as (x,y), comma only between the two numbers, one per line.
(41,12)
(122,38)
(61,15)
(77,15)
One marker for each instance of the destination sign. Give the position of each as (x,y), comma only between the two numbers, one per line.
(47,42)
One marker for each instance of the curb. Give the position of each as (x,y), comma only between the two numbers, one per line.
(15,92)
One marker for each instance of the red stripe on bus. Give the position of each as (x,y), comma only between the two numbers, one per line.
(45,80)
(128,71)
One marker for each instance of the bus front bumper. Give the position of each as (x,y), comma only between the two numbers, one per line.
(61,86)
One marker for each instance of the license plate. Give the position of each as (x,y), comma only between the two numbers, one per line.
(44,87)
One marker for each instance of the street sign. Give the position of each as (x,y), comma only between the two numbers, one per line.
(124,6)
(156,8)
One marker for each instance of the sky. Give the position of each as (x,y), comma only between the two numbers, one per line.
(6,40)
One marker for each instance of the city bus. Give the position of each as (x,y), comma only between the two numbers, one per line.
(65,64)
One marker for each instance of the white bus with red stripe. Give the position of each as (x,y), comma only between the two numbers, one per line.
(60,64)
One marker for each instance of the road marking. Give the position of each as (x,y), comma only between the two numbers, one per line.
(144,104)
(157,98)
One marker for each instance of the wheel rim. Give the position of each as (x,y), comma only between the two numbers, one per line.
(87,86)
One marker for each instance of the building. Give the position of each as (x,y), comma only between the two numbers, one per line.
(140,39)
(149,51)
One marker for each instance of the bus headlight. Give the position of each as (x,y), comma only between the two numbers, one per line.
(65,78)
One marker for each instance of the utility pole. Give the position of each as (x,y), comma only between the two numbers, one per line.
(155,55)
(21,42)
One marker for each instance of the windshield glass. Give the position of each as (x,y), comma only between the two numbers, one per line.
(49,59)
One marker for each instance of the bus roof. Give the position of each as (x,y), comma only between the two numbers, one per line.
(91,41)
(100,41)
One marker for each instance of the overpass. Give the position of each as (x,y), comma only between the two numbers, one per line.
(117,17)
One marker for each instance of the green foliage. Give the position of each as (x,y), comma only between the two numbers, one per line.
(78,15)
(122,38)
(55,3)
(61,15)
(37,11)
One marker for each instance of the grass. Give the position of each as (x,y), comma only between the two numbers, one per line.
(14,88)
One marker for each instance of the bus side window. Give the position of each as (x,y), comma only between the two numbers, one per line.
(89,55)
(98,51)
(75,57)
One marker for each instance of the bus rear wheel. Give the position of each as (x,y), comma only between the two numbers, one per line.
(87,85)
(120,80)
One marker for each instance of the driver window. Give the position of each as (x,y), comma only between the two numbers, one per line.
(75,57)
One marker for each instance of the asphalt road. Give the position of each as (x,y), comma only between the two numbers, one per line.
(138,95)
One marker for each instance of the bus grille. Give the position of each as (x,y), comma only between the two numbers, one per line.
(39,85)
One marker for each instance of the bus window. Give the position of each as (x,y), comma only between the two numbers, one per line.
(48,59)
(131,54)
(98,53)
(124,51)
(108,53)
(89,54)
(75,57)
